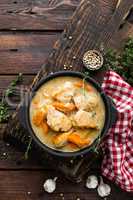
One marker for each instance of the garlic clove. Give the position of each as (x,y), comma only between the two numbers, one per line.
(103,189)
(92,182)
(50,185)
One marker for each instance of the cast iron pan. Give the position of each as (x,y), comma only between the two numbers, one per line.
(110,113)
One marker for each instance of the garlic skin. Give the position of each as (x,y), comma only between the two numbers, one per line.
(103,189)
(50,185)
(92,182)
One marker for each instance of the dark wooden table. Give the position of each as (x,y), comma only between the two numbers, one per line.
(28,30)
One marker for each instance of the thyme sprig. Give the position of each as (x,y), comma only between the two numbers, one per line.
(4,114)
(9,91)
(4,108)
(121,62)
(26,154)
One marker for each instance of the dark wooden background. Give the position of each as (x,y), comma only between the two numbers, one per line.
(28,30)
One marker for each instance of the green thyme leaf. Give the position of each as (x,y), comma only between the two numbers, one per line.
(121,62)
(4,114)
(4,110)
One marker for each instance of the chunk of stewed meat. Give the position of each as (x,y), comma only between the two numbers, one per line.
(57,120)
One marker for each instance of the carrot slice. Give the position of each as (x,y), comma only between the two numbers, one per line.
(77,140)
(61,139)
(68,107)
(89,88)
(80,84)
(45,127)
(38,118)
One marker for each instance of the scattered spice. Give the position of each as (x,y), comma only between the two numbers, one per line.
(70,37)
(67,67)
(71,161)
(4,154)
(74,57)
(29,193)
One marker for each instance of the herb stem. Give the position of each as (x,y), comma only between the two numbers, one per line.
(28,149)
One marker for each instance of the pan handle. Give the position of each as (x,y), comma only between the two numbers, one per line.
(22,116)
(113,112)
(22,113)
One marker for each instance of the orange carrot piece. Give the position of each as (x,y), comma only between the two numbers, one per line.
(85,85)
(45,127)
(38,118)
(77,140)
(79,84)
(64,107)
(89,88)
(61,139)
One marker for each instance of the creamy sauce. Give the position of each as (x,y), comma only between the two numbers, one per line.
(44,98)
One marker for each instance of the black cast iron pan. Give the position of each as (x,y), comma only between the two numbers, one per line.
(110,113)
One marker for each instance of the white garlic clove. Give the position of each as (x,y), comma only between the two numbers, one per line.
(50,185)
(103,189)
(92,182)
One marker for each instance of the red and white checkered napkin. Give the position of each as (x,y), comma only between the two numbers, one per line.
(118,143)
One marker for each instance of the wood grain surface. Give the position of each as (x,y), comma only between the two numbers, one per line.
(42,14)
(28,30)
(24,52)
(28,185)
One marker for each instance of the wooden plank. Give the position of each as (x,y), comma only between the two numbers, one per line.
(34,14)
(42,15)
(24,53)
(27,52)
(17,184)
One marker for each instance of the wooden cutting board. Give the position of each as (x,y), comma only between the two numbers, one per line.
(91,27)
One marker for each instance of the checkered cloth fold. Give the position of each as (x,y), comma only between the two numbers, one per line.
(118,143)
